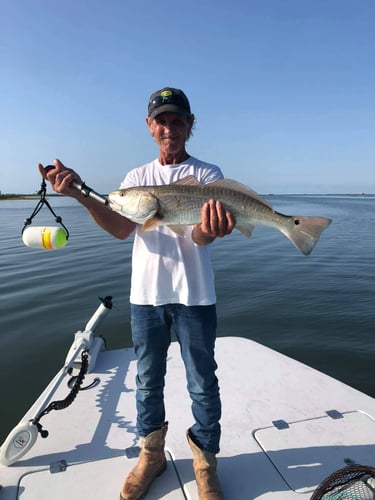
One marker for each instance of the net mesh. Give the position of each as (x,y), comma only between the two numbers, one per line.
(355,482)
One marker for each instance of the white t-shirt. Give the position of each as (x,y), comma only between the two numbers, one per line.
(166,268)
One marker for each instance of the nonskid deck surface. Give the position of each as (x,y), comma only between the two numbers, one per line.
(285,427)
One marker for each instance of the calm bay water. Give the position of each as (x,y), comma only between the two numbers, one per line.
(318,309)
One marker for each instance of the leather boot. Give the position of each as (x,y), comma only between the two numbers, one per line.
(204,464)
(151,463)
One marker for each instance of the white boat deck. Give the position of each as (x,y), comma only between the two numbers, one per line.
(278,441)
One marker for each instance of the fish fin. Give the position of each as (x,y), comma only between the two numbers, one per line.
(245,229)
(179,229)
(241,188)
(152,223)
(189,180)
(306,232)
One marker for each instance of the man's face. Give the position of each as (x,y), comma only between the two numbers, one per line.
(170,131)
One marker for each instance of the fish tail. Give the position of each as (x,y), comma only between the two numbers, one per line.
(305,232)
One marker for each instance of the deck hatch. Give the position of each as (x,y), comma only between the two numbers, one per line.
(307,451)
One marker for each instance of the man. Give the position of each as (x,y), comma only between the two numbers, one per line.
(172,285)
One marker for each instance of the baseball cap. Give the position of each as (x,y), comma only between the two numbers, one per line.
(168,99)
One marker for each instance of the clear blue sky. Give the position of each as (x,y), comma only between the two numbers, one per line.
(283,90)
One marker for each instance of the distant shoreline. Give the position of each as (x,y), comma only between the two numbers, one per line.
(23,196)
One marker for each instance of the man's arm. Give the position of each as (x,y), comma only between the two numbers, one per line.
(62,178)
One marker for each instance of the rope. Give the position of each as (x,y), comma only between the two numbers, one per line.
(43,201)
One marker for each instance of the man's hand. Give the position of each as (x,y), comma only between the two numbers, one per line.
(61,178)
(216,222)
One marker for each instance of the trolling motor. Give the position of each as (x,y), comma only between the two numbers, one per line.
(23,437)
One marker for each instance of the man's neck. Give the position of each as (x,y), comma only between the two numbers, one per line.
(173,159)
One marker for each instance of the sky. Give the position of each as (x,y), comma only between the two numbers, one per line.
(283,90)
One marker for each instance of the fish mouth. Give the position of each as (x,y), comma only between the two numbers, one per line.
(114,206)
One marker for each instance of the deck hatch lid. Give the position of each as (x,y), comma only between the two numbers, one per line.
(305,452)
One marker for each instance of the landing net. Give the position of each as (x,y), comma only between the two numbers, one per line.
(355,482)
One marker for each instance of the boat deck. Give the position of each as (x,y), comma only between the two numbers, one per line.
(285,427)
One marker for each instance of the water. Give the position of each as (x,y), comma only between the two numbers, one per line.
(317,309)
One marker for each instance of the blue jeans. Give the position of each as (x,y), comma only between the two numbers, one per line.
(195,329)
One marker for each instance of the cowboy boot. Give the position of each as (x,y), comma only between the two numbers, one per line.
(151,463)
(204,464)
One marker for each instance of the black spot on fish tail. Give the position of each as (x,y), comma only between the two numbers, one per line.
(305,232)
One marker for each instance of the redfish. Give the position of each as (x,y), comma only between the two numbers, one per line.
(179,204)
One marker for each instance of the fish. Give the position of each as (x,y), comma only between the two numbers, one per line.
(179,205)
